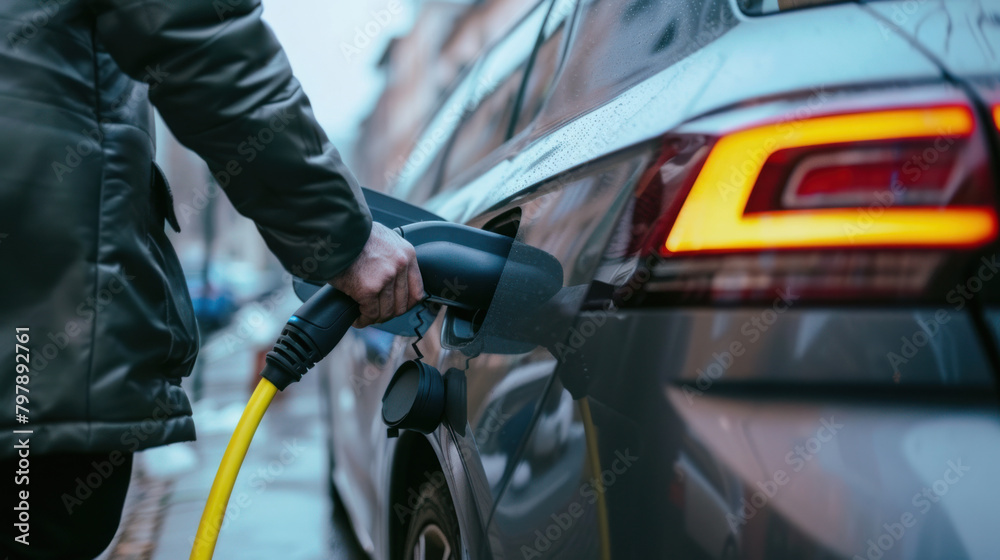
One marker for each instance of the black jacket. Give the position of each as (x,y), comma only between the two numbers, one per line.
(84,262)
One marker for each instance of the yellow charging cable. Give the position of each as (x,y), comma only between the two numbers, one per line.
(225,479)
(590,432)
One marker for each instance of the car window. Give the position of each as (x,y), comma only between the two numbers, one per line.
(485,129)
(479,90)
(416,176)
(616,45)
(545,63)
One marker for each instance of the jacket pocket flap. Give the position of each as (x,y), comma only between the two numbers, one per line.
(163,198)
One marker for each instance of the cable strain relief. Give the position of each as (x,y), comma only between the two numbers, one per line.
(279,375)
(292,356)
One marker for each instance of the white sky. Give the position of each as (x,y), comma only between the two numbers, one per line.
(342,91)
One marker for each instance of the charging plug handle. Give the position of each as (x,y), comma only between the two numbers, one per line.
(309,335)
(460,266)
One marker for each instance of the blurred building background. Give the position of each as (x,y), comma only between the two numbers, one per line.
(418,67)
(373,70)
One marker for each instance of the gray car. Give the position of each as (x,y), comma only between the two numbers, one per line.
(778,332)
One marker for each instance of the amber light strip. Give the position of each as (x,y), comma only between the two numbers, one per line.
(712,217)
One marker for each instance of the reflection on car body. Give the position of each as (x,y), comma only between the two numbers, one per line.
(723,185)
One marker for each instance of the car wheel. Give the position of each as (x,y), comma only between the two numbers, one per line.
(433,531)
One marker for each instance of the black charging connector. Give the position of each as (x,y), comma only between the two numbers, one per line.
(309,335)
(460,267)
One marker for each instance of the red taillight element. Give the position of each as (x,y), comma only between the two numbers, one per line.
(853,176)
(802,185)
(879,204)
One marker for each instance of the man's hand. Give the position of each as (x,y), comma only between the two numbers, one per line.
(384,279)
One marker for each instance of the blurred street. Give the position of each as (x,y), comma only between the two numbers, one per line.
(284,472)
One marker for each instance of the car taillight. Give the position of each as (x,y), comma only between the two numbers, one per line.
(812,179)
(860,204)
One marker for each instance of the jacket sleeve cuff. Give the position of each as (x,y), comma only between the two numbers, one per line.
(325,255)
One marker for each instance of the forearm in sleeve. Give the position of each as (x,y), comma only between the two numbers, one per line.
(226,90)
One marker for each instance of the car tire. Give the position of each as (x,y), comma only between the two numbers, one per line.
(433,532)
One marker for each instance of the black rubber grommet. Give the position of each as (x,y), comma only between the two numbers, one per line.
(414,399)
